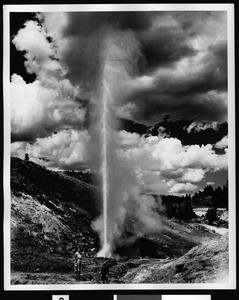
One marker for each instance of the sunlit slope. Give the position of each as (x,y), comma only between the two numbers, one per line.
(50,214)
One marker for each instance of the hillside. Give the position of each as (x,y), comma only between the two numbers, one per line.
(51,213)
(204,263)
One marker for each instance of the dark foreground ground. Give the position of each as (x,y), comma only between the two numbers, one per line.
(204,263)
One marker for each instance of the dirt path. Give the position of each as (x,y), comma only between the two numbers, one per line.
(219,230)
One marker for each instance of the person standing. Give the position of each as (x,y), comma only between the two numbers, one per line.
(105,272)
(105,269)
(78,264)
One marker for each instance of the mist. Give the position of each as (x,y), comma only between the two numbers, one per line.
(128,213)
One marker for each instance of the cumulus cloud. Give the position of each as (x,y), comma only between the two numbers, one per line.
(170,154)
(127,139)
(166,159)
(67,149)
(50,103)
(199,126)
(223,143)
(41,55)
(153,183)
(37,111)
(183,188)
(193,175)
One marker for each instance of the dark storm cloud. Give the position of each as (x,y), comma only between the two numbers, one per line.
(87,22)
(219,51)
(168,43)
(85,32)
(153,107)
(82,60)
(177,129)
(200,92)
(23,137)
(194,23)
(212,76)
(198,88)
(162,47)
(164,40)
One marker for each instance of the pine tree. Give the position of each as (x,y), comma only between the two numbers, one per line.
(26,157)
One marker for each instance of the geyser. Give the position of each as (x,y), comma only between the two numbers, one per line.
(106,250)
(128,213)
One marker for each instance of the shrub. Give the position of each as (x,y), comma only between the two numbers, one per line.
(211,215)
(26,157)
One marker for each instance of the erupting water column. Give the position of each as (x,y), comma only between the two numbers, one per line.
(105,251)
(105,175)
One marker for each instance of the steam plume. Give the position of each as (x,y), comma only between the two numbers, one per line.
(127,213)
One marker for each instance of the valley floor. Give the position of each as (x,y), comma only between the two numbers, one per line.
(205,263)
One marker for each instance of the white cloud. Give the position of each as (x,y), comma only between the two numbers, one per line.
(153,183)
(37,110)
(193,175)
(169,154)
(127,139)
(40,53)
(49,103)
(210,183)
(54,22)
(183,188)
(162,165)
(65,150)
(178,166)
(223,143)
(126,111)
(199,126)
(32,38)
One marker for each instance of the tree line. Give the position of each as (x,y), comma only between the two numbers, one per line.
(181,207)
(211,197)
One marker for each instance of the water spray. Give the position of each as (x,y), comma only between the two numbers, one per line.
(106,248)
(120,189)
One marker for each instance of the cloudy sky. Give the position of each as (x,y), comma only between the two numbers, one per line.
(169,87)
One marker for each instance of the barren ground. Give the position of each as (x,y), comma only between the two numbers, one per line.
(204,263)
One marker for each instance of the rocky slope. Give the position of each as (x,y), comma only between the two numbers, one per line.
(206,263)
(51,214)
